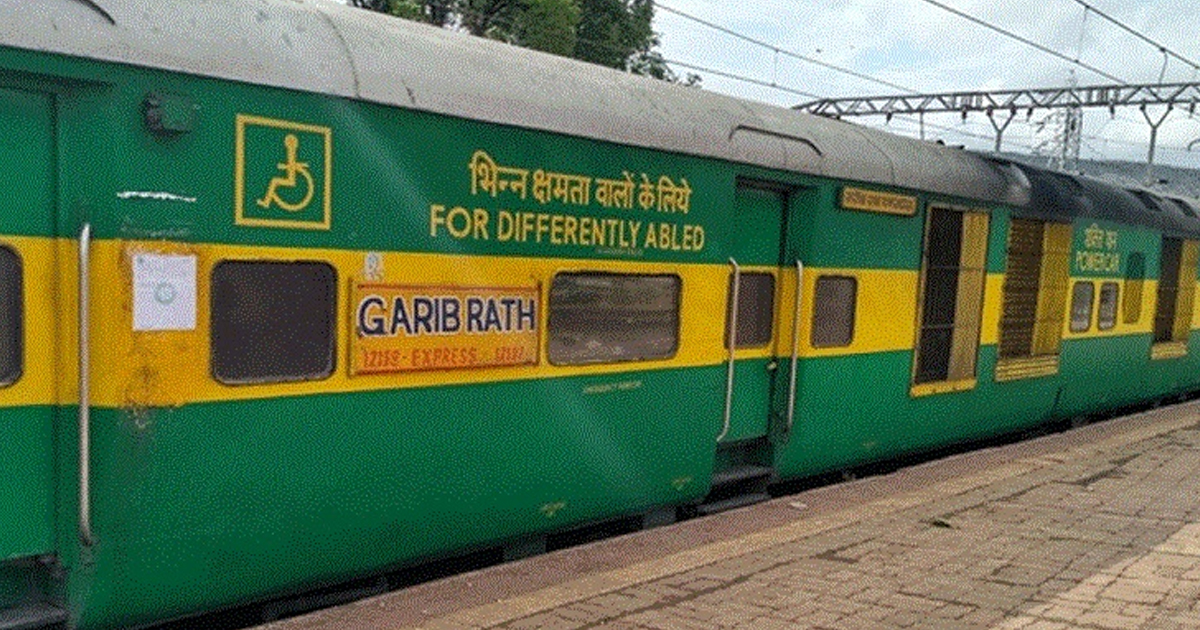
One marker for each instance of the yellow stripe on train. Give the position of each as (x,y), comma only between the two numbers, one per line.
(133,368)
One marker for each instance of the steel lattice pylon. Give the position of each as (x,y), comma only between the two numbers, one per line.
(1009,102)
(1110,96)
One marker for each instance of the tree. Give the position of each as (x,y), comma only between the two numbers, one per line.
(381,6)
(614,33)
(493,19)
(652,64)
(439,12)
(549,26)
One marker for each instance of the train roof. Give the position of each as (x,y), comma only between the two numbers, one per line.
(1058,196)
(328,48)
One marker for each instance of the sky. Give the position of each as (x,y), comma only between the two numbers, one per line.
(917,45)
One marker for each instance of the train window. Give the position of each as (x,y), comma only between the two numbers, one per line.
(834,303)
(1168,283)
(12,325)
(609,318)
(756,309)
(951,301)
(273,321)
(1106,313)
(1176,292)
(1135,274)
(1081,306)
(1036,281)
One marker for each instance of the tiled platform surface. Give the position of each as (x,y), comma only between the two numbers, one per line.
(1098,527)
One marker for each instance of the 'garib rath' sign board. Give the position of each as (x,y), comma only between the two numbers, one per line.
(404,328)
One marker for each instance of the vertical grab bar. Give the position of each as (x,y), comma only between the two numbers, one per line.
(791,414)
(731,337)
(85,490)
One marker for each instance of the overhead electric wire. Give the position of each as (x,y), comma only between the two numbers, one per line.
(783,88)
(778,50)
(1024,40)
(969,134)
(776,86)
(698,68)
(745,79)
(782,51)
(1138,34)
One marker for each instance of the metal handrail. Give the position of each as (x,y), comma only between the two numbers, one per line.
(85,441)
(791,413)
(732,341)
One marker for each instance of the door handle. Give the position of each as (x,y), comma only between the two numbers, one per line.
(731,336)
(85,440)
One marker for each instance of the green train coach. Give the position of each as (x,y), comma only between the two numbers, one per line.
(292,293)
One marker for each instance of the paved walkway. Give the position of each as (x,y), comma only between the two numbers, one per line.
(1094,528)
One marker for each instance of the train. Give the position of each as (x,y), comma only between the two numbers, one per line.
(293,293)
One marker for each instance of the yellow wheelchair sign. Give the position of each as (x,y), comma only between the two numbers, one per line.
(287,181)
(292,193)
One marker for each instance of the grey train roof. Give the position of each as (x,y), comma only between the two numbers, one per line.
(1058,196)
(320,46)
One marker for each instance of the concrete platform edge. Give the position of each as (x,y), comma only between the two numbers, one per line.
(1143,426)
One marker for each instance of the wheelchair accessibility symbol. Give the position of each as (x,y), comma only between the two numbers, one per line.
(290,193)
(291,168)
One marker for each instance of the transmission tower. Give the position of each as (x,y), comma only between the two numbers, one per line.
(1058,136)
(1069,100)
(1070,132)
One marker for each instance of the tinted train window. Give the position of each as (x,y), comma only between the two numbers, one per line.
(609,318)
(834,303)
(1081,306)
(273,321)
(1168,283)
(1135,274)
(1106,314)
(756,309)
(951,300)
(1176,290)
(1036,282)
(12,326)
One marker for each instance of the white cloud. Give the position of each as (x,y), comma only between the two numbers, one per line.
(915,44)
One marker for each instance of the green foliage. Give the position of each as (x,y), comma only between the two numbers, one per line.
(614,33)
(371,5)
(549,26)
(489,18)
(652,64)
(408,9)
(439,12)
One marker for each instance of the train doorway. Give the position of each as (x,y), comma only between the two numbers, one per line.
(756,376)
(28,325)
(751,312)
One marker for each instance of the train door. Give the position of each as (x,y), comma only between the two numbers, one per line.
(752,314)
(28,325)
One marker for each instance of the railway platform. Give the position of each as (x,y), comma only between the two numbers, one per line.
(1096,527)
